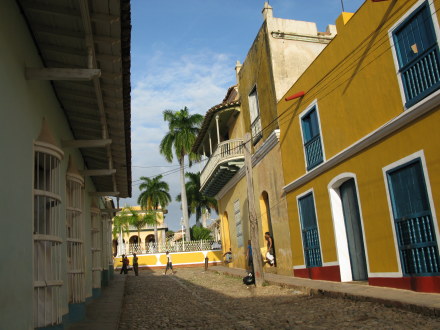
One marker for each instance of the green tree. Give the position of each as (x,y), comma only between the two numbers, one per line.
(120,224)
(200,233)
(139,221)
(183,129)
(198,203)
(154,193)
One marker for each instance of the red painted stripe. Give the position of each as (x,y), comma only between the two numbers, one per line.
(417,283)
(328,273)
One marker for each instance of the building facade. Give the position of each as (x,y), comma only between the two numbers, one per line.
(65,92)
(360,151)
(280,53)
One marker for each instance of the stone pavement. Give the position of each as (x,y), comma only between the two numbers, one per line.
(218,299)
(103,313)
(425,303)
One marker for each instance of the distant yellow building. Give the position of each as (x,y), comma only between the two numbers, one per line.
(360,151)
(146,233)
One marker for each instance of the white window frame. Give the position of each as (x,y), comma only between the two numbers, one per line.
(254,108)
(417,155)
(312,105)
(394,52)
(96,246)
(47,238)
(75,235)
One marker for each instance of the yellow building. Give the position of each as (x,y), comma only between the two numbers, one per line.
(282,50)
(147,235)
(360,151)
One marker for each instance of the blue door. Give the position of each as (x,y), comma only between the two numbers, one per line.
(413,220)
(312,251)
(353,228)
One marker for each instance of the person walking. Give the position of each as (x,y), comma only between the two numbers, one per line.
(124,268)
(169,263)
(135,264)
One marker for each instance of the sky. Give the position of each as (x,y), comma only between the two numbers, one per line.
(183,53)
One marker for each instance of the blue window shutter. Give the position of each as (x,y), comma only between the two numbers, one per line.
(312,252)
(413,222)
(418,55)
(312,139)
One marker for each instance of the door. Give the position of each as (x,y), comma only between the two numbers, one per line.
(414,227)
(312,251)
(353,228)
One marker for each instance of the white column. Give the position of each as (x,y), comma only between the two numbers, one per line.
(218,129)
(210,144)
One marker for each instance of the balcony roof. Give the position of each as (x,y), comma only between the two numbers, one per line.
(222,107)
(93,36)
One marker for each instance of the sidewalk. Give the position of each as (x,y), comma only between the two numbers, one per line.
(424,303)
(103,313)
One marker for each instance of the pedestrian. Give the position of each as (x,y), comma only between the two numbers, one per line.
(250,261)
(228,257)
(270,255)
(135,264)
(124,264)
(169,263)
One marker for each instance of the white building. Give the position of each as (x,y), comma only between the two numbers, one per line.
(65,144)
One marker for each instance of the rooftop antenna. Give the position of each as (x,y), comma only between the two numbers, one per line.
(342,4)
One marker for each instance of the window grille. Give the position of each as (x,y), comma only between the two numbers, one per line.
(96,227)
(254,112)
(238,223)
(75,238)
(418,55)
(310,235)
(47,235)
(312,139)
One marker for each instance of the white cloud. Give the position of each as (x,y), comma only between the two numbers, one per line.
(198,81)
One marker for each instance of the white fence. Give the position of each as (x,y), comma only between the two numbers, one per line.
(171,246)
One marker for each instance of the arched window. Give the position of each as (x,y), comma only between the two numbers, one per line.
(47,230)
(75,234)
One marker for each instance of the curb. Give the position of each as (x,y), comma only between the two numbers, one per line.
(416,308)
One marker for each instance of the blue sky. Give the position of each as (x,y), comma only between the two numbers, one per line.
(183,53)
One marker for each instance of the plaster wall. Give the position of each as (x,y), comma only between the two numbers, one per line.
(226,204)
(268,177)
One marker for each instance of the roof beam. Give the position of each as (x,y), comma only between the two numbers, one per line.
(59,33)
(61,74)
(63,11)
(102,172)
(86,143)
(77,52)
(104,193)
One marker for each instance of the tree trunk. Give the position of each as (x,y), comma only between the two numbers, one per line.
(184,200)
(155,234)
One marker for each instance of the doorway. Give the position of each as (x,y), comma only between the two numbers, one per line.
(353,230)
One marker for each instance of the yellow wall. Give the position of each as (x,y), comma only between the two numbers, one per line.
(355,84)
(179,259)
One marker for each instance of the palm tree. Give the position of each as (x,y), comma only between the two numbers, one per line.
(120,226)
(198,203)
(154,193)
(183,130)
(139,221)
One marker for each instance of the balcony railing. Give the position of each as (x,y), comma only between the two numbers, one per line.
(313,152)
(257,133)
(227,150)
(159,226)
(421,76)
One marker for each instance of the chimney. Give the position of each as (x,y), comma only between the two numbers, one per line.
(267,11)
(238,66)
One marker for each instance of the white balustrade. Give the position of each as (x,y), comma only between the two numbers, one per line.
(227,150)
(170,246)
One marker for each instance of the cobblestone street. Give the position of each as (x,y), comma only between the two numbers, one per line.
(194,299)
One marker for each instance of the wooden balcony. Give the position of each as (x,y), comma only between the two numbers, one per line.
(226,160)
